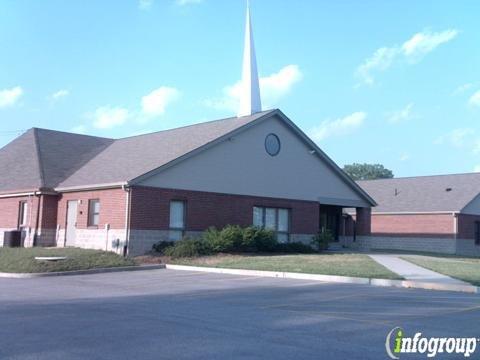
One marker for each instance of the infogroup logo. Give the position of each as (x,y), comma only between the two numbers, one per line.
(397,343)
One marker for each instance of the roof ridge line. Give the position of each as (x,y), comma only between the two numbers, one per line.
(423,176)
(39,158)
(264,112)
(71,133)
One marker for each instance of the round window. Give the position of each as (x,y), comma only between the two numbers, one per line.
(272,144)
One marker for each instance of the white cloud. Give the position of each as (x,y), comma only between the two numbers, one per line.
(400,115)
(412,50)
(475,99)
(425,42)
(107,117)
(342,126)
(404,157)
(59,94)
(187,2)
(380,61)
(9,97)
(272,88)
(476,168)
(145,4)
(155,103)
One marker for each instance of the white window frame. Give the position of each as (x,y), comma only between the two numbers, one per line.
(23,214)
(263,210)
(175,232)
(92,213)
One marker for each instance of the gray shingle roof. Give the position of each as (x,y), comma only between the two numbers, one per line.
(423,193)
(128,158)
(19,166)
(47,159)
(43,158)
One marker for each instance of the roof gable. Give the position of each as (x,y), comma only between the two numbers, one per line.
(129,158)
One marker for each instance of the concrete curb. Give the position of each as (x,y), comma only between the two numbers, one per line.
(333,278)
(81,272)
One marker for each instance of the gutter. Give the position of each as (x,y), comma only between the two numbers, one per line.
(91,187)
(413,212)
(29,193)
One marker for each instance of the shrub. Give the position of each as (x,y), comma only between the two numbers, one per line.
(188,248)
(264,240)
(162,245)
(321,240)
(294,247)
(225,240)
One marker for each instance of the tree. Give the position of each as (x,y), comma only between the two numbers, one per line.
(367,171)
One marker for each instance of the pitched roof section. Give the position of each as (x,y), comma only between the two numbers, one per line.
(43,158)
(58,160)
(128,158)
(423,194)
(61,153)
(19,165)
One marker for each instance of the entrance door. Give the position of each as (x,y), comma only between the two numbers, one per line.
(71,223)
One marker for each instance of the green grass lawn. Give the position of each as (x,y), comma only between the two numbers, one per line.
(22,260)
(466,269)
(357,265)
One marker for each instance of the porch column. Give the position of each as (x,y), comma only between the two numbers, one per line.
(364,221)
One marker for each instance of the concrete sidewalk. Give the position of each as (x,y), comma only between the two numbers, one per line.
(413,272)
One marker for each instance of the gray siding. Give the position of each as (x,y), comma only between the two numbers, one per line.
(241,166)
(472,208)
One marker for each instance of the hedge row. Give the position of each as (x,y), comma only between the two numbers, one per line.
(236,239)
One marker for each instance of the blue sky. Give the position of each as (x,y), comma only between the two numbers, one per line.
(391,82)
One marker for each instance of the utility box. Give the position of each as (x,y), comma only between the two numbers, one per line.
(12,238)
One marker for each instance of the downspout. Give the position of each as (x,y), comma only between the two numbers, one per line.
(455,229)
(128,207)
(37,220)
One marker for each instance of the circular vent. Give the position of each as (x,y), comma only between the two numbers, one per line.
(272,144)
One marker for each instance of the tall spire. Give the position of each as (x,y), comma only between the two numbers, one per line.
(250,102)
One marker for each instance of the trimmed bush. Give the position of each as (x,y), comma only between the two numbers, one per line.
(162,245)
(322,239)
(188,248)
(225,240)
(295,248)
(264,240)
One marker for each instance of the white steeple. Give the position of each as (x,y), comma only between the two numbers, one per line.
(250,102)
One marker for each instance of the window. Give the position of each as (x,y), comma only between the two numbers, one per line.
(275,219)
(477,232)
(23,214)
(93,212)
(177,220)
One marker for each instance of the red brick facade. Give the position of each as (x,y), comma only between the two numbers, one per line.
(10,207)
(413,225)
(151,207)
(112,207)
(48,211)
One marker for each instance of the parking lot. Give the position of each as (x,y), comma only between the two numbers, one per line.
(186,315)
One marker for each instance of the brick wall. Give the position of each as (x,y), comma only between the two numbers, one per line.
(9,212)
(151,207)
(466,226)
(415,225)
(112,207)
(363,221)
(48,212)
